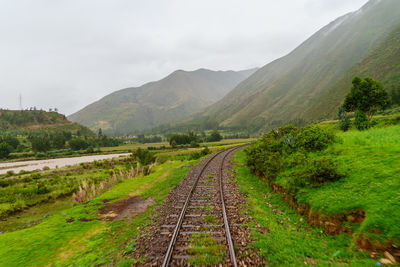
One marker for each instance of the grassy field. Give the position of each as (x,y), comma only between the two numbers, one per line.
(283,237)
(371,162)
(129,147)
(75,236)
(27,189)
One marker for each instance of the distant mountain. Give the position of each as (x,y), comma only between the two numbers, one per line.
(283,91)
(178,95)
(382,64)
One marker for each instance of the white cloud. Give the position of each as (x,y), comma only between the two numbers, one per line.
(68,53)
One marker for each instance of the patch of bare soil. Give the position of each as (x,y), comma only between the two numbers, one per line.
(125,208)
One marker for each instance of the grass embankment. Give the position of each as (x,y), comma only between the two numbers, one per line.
(370,161)
(75,236)
(282,236)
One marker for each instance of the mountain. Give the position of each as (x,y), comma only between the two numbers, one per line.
(178,95)
(282,91)
(382,64)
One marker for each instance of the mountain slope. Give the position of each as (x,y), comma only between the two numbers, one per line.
(24,122)
(180,94)
(281,91)
(382,64)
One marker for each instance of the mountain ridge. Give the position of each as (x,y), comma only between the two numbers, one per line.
(175,96)
(281,91)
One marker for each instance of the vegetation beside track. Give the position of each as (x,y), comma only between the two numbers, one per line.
(74,236)
(345,181)
(282,236)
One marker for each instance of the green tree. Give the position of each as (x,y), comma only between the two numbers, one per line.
(214,137)
(367,96)
(144,156)
(78,144)
(396,96)
(344,120)
(59,141)
(12,141)
(40,144)
(361,120)
(5,150)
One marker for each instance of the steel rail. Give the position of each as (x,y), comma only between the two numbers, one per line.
(226,223)
(171,245)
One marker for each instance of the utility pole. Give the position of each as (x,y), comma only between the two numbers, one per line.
(20,102)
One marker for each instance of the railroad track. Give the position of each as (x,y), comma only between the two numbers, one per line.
(202,213)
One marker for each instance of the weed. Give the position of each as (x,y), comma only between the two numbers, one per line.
(205,250)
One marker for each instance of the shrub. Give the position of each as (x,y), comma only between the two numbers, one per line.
(194,156)
(205,151)
(344,120)
(144,157)
(361,121)
(262,161)
(314,138)
(5,150)
(314,174)
(40,155)
(78,144)
(194,144)
(41,188)
(10,173)
(214,137)
(40,144)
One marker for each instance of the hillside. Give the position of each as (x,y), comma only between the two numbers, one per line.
(281,91)
(382,64)
(26,122)
(178,95)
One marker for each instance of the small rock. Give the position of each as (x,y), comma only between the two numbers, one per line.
(386,261)
(389,257)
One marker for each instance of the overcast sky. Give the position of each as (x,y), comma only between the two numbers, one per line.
(69,53)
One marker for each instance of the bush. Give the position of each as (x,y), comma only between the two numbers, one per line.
(314,174)
(214,137)
(205,151)
(144,156)
(5,150)
(344,120)
(194,144)
(194,156)
(361,121)
(40,144)
(314,138)
(78,144)
(262,161)
(42,189)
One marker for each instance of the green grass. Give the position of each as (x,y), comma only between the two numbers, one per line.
(95,242)
(371,161)
(205,250)
(283,238)
(27,189)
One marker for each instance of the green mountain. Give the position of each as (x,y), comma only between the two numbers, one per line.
(178,95)
(382,64)
(28,122)
(282,91)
